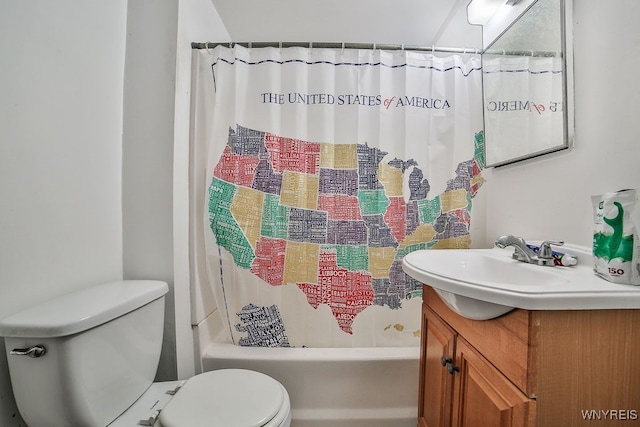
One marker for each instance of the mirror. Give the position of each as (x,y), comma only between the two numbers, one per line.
(525,87)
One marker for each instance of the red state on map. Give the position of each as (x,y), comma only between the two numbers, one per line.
(463,215)
(269,261)
(396,217)
(239,170)
(340,207)
(346,292)
(293,154)
(475,173)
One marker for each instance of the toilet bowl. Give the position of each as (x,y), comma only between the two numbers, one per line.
(89,359)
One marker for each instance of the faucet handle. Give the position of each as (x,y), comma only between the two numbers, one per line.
(545,249)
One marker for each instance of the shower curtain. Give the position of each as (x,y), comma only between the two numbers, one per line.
(320,170)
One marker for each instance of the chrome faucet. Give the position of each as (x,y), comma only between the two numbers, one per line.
(523,253)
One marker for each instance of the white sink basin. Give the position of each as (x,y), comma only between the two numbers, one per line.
(472,308)
(450,271)
(486,283)
(487,268)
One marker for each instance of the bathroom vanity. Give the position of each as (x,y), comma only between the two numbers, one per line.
(529,367)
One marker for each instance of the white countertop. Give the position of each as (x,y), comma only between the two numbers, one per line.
(491,275)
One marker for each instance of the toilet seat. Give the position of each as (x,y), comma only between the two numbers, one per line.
(228,397)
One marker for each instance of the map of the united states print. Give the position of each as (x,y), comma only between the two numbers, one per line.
(333,219)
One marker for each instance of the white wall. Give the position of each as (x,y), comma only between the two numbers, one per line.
(549,198)
(60,153)
(458,32)
(147,141)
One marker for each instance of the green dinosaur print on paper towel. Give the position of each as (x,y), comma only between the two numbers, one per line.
(609,246)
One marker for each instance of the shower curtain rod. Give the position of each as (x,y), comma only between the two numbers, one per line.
(335,45)
(535,53)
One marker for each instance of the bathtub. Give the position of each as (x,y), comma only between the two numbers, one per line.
(331,387)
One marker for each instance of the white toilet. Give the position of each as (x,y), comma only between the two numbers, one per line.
(88,359)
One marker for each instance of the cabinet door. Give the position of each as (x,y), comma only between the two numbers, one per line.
(436,384)
(485,397)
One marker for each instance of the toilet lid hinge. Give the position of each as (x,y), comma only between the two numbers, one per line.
(176,388)
(151,420)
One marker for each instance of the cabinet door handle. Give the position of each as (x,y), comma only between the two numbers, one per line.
(448,362)
(444,361)
(452,369)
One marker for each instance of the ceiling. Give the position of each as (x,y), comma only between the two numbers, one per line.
(440,23)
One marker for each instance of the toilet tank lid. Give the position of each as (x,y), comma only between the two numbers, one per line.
(82,309)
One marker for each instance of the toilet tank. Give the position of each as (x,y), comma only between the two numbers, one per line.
(102,351)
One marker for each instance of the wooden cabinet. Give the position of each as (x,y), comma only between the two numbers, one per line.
(436,384)
(528,368)
(485,397)
(460,387)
